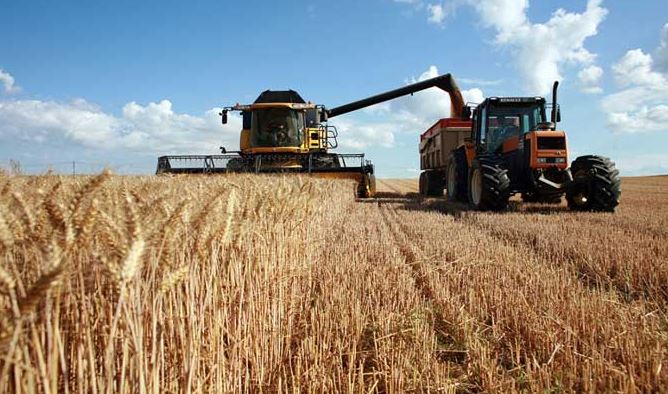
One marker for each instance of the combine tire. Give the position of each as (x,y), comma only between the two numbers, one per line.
(489,185)
(595,186)
(431,184)
(457,177)
(367,187)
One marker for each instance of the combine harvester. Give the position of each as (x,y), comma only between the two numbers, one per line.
(506,145)
(281,133)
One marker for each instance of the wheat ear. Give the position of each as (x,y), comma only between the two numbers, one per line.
(229,221)
(132,263)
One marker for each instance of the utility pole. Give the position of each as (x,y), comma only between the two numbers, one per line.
(74,168)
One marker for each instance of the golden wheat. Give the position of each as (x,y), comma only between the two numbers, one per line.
(288,284)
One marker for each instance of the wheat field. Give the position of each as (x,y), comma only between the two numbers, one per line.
(248,283)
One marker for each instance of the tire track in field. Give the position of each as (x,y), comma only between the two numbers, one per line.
(384,184)
(540,248)
(444,331)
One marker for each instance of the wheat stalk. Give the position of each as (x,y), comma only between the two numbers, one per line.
(132,263)
(7,280)
(46,282)
(229,220)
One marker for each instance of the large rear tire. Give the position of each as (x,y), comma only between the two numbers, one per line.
(596,185)
(489,185)
(457,177)
(431,183)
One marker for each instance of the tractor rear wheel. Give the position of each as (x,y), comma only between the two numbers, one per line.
(595,186)
(456,177)
(431,184)
(489,185)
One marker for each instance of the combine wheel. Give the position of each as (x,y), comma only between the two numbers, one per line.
(489,185)
(431,184)
(367,187)
(595,186)
(456,179)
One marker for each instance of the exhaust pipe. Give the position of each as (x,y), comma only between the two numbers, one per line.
(555,107)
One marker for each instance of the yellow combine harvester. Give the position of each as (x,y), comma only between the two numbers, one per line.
(283,133)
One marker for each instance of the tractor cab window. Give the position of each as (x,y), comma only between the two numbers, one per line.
(505,122)
(277,127)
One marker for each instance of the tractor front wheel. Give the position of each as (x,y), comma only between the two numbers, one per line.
(489,185)
(595,186)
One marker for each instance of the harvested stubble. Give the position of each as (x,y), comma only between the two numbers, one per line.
(246,283)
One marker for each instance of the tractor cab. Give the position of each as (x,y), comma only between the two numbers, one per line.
(498,120)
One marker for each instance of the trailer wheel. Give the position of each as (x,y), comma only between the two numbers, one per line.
(431,183)
(489,185)
(457,177)
(595,186)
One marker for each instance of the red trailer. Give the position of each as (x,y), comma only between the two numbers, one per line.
(436,146)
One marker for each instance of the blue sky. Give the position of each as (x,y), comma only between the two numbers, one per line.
(118,83)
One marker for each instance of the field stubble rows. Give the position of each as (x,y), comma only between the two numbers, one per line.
(248,283)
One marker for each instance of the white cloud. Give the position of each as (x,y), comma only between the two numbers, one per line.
(154,128)
(642,103)
(636,68)
(437,13)
(429,105)
(480,82)
(590,79)
(359,136)
(540,50)
(645,164)
(405,115)
(8,82)
(508,17)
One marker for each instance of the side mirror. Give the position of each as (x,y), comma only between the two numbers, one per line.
(223,150)
(224,115)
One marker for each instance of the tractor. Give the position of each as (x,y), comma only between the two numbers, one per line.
(506,146)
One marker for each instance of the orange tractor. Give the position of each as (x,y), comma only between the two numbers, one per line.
(507,145)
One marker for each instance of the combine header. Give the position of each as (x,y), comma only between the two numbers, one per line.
(281,133)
